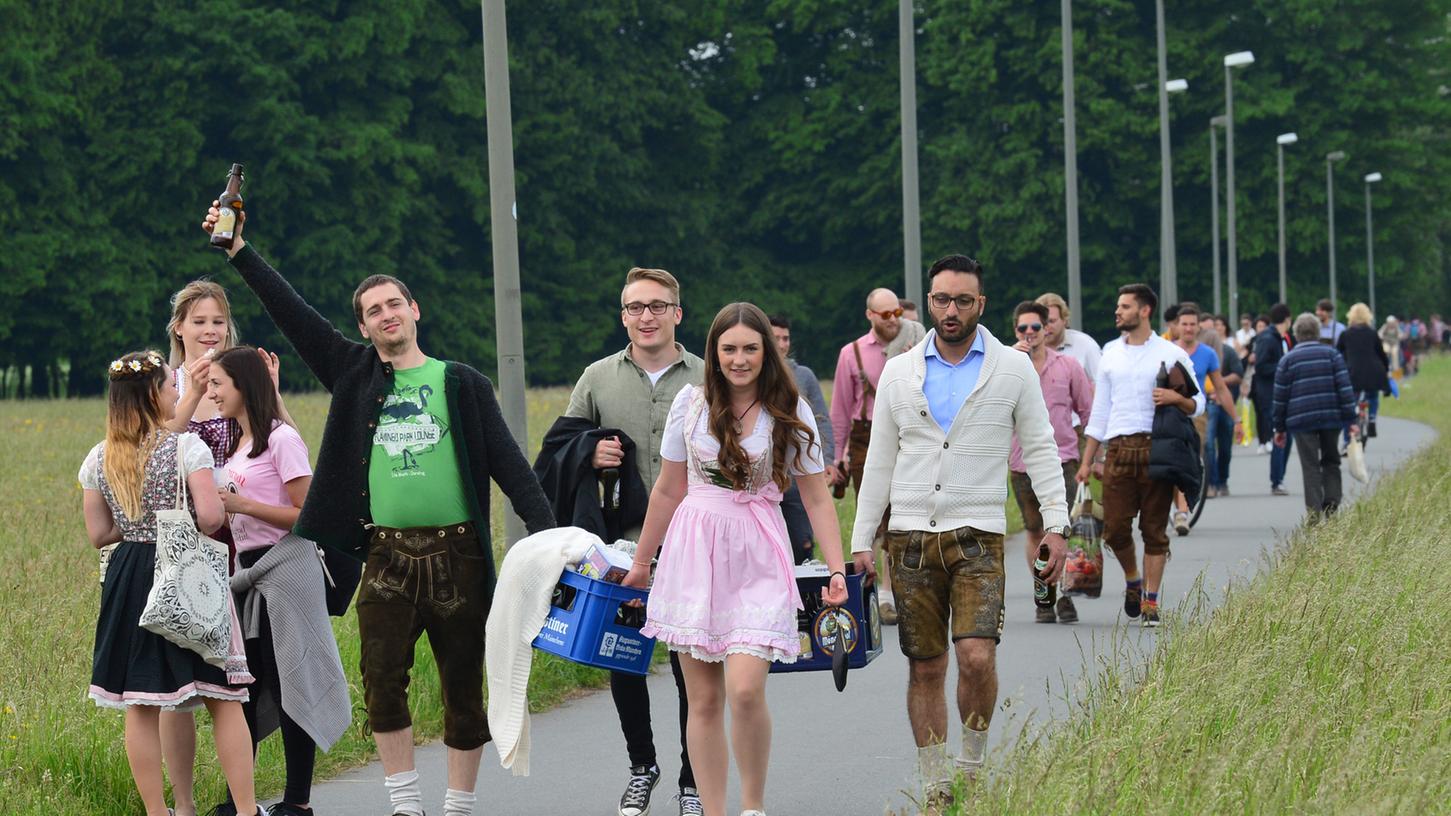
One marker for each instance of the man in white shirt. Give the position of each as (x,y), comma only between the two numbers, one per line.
(1068,341)
(942,425)
(1124,400)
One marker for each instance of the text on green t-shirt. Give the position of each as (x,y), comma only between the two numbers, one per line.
(413,474)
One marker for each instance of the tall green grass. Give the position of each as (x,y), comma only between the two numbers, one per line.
(1320,686)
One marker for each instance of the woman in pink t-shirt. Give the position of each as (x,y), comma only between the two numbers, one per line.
(268,474)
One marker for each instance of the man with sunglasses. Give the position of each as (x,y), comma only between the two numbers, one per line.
(632,390)
(853,397)
(937,456)
(1067,393)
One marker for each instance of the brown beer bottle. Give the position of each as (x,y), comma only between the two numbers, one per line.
(229,204)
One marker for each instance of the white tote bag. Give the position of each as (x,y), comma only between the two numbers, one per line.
(189,599)
(1355,457)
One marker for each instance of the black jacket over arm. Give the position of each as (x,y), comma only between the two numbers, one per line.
(1174,443)
(565,468)
(337,509)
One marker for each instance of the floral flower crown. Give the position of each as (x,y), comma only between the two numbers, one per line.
(139,367)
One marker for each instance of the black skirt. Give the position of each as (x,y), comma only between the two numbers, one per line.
(131,666)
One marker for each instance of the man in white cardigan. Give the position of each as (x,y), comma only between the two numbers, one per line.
(942,429)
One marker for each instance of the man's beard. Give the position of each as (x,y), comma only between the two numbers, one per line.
(1129,323)
(889,331)
(395,346)
(964,330)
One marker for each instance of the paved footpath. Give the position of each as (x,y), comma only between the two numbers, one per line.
(852,753)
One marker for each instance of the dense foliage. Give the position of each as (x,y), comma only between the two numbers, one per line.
(751,146)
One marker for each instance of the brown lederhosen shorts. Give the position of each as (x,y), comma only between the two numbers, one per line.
(434,580)
(1128,491)
(856,460)
(946,579)
(1028,500)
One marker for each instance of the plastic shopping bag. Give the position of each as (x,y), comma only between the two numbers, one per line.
(1083,572)
(1355,457)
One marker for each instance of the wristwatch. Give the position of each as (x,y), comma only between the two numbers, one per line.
(1065,531)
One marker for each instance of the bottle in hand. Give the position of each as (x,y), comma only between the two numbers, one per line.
(229,204)
(1044,593)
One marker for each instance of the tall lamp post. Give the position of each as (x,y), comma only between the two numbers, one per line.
(911,219)
(1231,61)
(1216,122)
(1168,269)
(1370,179)
(1280,142)
(504,227)
(1330,159)
(1070,171)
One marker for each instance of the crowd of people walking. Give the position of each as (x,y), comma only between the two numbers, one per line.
(732,456)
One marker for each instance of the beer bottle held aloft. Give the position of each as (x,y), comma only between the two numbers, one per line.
(229,205)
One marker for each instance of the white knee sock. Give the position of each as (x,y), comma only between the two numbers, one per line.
(974,748)
(458,803)
(934,770)
(404,792)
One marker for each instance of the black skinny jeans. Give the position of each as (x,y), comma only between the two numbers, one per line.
(298,749)
(632,703)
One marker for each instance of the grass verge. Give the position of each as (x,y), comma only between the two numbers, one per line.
(1320,686)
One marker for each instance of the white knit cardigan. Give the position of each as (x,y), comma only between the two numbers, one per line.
(937,481)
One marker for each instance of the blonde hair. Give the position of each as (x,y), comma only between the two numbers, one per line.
(1359,315)
(181,305)
(1056,301)
(659,276)
(134,420)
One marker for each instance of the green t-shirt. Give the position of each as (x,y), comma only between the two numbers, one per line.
(413,474)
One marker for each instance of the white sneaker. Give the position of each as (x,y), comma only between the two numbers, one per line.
(1181,522)
(753,813)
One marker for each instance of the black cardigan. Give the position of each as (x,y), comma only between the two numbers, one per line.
(565,467)
(1366,358)
(337,511)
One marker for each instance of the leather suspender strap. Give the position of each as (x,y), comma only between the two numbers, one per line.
(868,389)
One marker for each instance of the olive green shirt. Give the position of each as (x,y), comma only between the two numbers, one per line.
(616,393)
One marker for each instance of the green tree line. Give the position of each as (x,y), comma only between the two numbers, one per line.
(750,146)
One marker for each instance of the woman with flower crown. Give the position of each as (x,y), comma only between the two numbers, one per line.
(126,479)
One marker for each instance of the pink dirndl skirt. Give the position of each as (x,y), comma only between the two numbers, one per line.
(725,583)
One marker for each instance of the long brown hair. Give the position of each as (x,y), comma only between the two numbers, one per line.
(250,378)
(134,417)
(776,389)
(181,303)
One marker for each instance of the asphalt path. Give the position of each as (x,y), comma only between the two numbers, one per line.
(852,753)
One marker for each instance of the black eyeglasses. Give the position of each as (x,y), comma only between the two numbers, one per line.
(964,302)
(656,307)
(1027,327)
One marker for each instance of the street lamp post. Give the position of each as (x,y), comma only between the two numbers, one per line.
(1215,122)
(1370,179)
(911,218)
(1168,268)
(1280,142)
(1070,171)
(1330,159)
(1232,61)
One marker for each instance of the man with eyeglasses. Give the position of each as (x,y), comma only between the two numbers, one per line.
(853,397)
(937,458)
(1067,392)
(632,390)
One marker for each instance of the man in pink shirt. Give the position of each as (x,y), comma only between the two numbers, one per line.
(1067,391)
(858,370)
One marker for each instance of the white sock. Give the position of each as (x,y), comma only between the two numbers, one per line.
(404,792)
(974,748)
(934,770)
(458,803)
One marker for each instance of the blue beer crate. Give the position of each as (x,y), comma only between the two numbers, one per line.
(590,623)
(819,626)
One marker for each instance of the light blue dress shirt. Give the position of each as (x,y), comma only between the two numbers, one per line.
(946,386)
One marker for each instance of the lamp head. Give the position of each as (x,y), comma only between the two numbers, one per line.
(1287,139)
(1335,156)
(1238,59)
(1218,121)
(1372,178)
(1176,85)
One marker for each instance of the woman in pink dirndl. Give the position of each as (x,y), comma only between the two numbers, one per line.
(724,594)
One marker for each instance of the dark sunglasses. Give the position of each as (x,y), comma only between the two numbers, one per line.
(1023,327)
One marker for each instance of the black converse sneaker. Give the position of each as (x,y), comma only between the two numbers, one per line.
(689,800)
(636,801)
